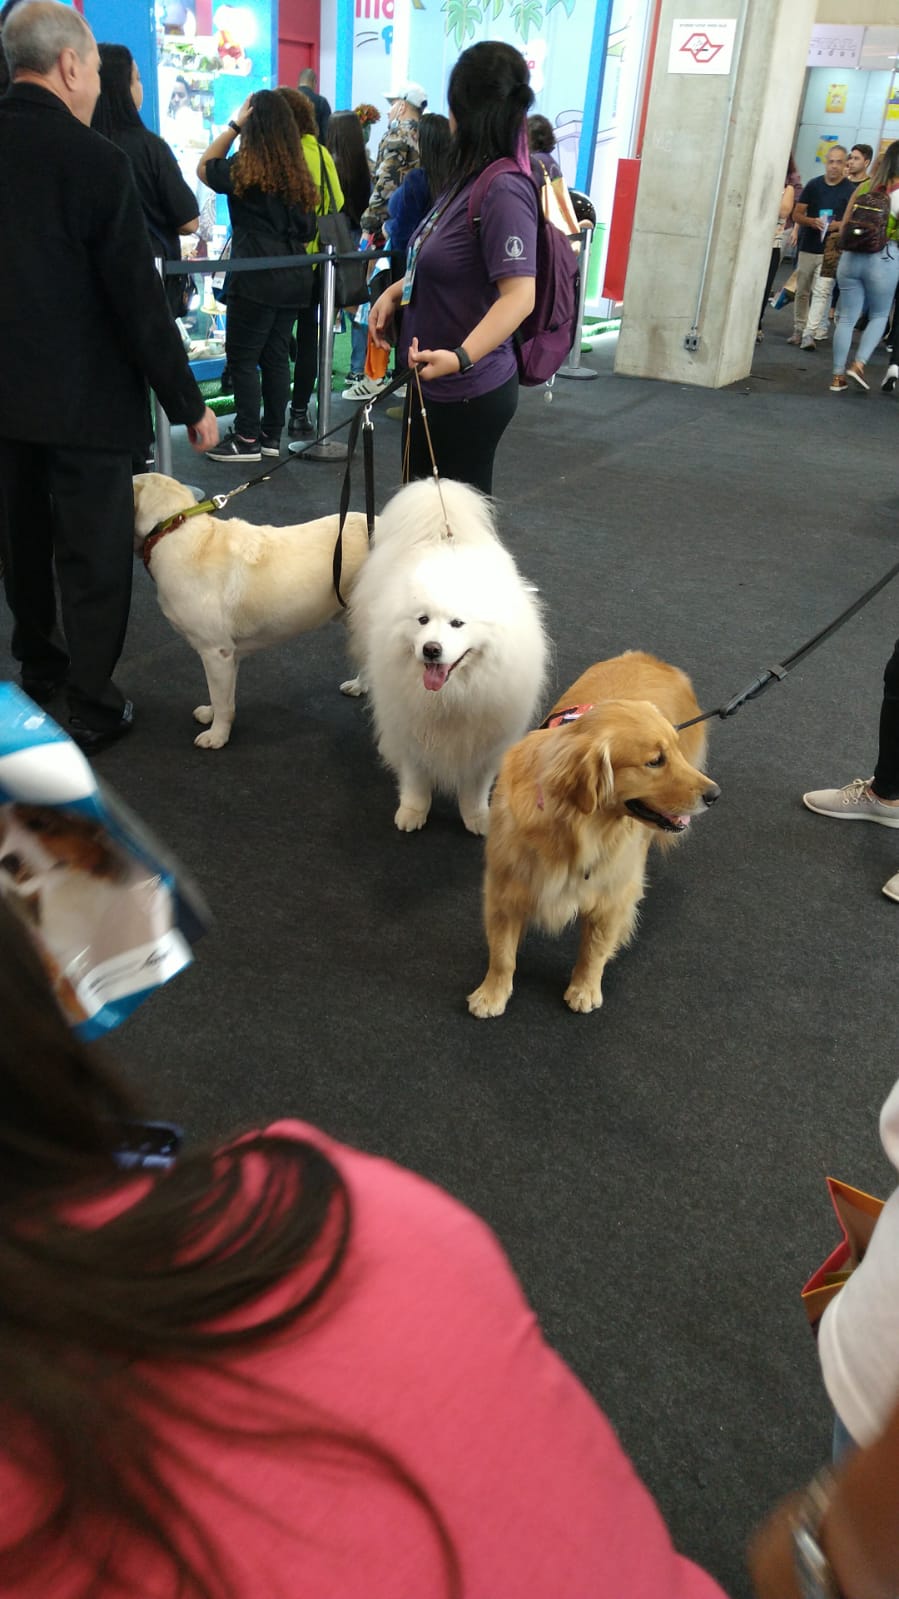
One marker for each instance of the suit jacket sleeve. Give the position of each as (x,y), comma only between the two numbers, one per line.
(137,305)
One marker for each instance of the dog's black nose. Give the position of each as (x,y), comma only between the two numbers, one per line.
(710,794)
(432,652)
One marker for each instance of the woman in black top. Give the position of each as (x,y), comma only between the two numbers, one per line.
(169,205)
(271,202)
(346,142)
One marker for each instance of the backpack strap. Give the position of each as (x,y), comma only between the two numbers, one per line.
(482,184)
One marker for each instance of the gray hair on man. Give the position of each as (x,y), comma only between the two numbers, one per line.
(36,33)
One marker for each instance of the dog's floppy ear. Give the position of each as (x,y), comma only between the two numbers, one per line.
(596,779)
(581,771)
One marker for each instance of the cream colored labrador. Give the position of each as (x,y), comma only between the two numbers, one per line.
(232,588)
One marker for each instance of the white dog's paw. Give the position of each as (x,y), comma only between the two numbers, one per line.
(476,822)
(354,686)
(410,818)
(488,1000)
(213,739)
(203,713)
(583,997)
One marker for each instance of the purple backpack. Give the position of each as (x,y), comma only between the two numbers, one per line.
(545,337)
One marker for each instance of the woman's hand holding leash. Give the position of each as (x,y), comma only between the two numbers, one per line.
(433,363)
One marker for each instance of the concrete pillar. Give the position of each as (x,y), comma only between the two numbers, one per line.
(683,210)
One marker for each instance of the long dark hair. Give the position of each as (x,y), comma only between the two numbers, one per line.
(87,1312)
(271,156)
(115,108)
(346,142)
(887,168)
(434,150)
(489,94)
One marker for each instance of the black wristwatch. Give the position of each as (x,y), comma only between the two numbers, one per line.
(813,1569)
(463,357)
(234,125)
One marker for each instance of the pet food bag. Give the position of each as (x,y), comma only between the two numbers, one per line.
(111,913)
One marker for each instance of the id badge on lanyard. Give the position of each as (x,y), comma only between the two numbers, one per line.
(409,279)
(413,254)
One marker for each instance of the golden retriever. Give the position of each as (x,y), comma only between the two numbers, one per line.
(577,806)
(232,588)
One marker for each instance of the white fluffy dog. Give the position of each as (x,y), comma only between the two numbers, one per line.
(450,643)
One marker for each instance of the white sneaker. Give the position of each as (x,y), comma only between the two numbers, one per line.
(891,887)
(365,388)
(854,803)
(889,382)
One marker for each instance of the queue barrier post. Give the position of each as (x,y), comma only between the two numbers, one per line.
(324,449)
(162,431)
(572,367)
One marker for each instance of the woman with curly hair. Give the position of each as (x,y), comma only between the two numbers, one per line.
(306,366)
(272,198)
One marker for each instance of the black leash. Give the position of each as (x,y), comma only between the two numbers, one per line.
(360,420)
(776,674)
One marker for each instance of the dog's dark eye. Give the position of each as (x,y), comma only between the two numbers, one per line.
(659,760)
(423,621)
(456,623)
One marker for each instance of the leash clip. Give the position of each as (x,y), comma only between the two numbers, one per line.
(366,417)
(220,500)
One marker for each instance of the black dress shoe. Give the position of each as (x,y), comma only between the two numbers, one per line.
(91,739)
(41,689)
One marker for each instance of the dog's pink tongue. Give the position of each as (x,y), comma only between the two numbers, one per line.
(680,821)
(435,675)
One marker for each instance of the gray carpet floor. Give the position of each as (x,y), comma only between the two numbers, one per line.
(655,1170)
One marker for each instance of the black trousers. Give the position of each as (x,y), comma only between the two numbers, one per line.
(464,433)
(257,342)
(773,265)
(886,772)
(306,366)
(72,509)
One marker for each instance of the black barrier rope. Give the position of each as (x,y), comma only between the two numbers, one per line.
(227,263)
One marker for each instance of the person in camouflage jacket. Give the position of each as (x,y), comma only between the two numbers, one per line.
(397,155)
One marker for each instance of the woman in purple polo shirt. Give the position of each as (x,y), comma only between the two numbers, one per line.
(468,288)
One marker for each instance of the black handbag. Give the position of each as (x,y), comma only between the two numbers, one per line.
(350,277)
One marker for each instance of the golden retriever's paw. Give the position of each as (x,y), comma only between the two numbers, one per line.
(490,999)
(476,822)
(409,819)
(583,997)
(212,739)
(354,686)
(203,713)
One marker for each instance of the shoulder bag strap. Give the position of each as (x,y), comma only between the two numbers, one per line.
(326,181)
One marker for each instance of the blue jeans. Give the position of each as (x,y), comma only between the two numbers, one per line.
(867,282)
(358,346)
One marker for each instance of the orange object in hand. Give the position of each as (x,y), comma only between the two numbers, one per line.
(376,360)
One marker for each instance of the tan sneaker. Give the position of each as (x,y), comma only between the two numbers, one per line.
(891,888)
(854,803)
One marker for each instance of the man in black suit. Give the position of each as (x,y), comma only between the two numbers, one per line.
(84,326)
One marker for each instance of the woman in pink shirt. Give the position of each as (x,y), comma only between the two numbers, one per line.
(279,1370)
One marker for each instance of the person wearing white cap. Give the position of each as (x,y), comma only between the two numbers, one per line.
(397,154)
